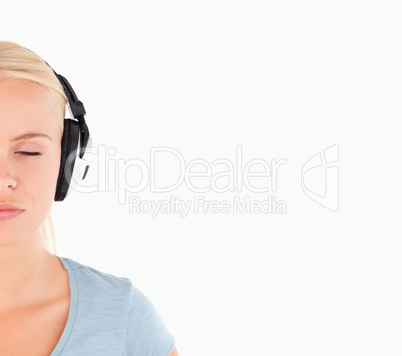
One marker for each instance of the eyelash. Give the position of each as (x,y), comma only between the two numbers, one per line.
(31,153)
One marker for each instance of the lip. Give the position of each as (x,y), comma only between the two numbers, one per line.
(8,206)
(9,211)
(9,214)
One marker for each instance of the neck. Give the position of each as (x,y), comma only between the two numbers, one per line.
(25,271)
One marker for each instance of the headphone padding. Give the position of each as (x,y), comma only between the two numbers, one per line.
(69,143)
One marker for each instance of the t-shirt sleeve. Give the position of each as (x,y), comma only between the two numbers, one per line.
(146,334)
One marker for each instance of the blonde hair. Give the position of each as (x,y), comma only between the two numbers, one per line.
(17,62)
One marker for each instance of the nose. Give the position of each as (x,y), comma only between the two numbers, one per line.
(7,180)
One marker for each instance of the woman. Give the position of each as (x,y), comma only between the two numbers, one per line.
(52,305)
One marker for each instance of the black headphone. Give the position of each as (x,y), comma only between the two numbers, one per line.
(73,144)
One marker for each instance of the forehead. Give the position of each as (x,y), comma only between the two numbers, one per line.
(25,106)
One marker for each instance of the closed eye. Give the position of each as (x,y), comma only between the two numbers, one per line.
(31,153)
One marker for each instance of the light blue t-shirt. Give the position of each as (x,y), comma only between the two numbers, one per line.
(108,316)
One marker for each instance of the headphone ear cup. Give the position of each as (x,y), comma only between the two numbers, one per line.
(69,144)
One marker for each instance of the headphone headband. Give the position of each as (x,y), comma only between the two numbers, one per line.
(78,111)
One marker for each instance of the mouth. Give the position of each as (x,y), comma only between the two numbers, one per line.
(8,214)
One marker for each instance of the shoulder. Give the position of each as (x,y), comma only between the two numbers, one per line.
(100,291)
(87,277)
(118,304)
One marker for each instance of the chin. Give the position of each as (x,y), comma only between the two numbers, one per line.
(12,233)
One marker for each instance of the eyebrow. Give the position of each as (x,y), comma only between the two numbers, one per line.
(31,135)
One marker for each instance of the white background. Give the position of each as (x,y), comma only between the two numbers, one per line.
(283,79)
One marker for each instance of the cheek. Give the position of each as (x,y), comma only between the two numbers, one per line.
(40,174)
